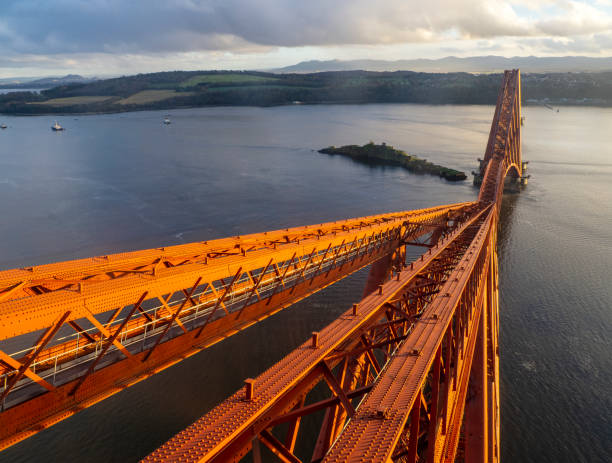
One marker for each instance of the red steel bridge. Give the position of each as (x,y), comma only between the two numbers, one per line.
(409,373)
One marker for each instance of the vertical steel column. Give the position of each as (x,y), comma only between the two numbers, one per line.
(378,273)
(493,384)
(476,407)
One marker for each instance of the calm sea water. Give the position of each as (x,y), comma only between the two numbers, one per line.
(112,183)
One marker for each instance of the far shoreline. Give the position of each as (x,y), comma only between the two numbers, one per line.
(335,103)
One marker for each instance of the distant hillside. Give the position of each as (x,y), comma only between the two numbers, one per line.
(477,64)
(179,89)
(46,82)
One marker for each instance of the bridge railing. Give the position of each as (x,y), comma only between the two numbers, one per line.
(102,324)
(351,356)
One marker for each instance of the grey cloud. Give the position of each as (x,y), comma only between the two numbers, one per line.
(70,26)
(46,33)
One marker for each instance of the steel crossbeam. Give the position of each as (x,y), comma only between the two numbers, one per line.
(78,275)
(414,372)
(179,315)
(228,430)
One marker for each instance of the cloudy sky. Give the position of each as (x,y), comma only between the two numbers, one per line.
(110,37)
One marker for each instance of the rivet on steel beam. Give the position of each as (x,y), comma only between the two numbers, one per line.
(355,306)
(380,290)
(249,389)
(383,414)
(315,339)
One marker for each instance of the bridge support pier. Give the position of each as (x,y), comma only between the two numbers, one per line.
(381,270)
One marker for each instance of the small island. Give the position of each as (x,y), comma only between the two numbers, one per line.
(386,154)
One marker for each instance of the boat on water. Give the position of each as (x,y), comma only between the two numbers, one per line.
(3,126)
(56,127)
(167,120)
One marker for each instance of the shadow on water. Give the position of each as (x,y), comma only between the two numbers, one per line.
(509,203)
(385,165)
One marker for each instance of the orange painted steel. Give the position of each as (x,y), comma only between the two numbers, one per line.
(110,322)
(433,363)
(398,365)
(379,321)
(412,370)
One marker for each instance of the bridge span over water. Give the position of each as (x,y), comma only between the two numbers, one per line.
(409,373)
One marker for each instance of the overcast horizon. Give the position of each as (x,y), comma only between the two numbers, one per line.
(111,37)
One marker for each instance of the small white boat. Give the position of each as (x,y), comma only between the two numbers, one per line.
(3,126)
(56,127)
(167,121)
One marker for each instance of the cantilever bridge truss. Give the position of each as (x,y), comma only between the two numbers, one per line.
(410,373)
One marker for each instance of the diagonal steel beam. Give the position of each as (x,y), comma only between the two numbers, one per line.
(171,321)
(112,340)
(25,367)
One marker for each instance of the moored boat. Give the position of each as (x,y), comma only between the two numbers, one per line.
(56,127)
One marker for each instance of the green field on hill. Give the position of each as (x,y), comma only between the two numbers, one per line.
(231,78)
(74,100)
(151,96)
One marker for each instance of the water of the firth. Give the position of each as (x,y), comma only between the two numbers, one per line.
(111,183)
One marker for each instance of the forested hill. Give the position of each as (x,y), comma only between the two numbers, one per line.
(184,89)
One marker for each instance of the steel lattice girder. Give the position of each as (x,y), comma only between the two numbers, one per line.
(226,432)
(80,274)
(233,292)
(23,313)
(504,146)
(443,339)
